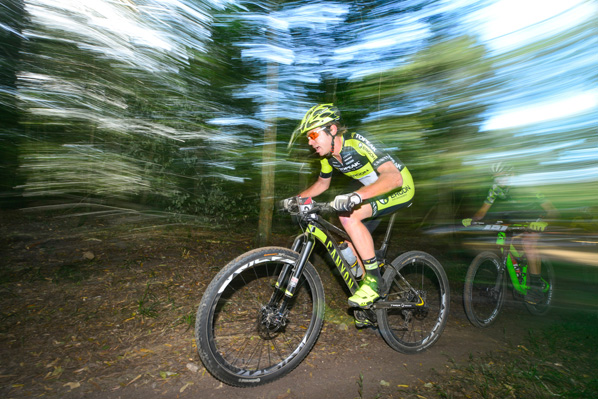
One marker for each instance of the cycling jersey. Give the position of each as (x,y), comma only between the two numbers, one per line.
(360,160)
(515,202)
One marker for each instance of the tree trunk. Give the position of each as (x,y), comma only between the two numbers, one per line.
(12,16)
(268,161)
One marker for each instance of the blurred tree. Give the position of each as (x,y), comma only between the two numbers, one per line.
(268,163)
(542,120)
(266,51)
(12,19)
(187,105)
(108,111)
(428,108)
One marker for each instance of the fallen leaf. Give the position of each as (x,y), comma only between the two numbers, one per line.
(72,385)
(185,386)
(82,370)
(166,374)
(384,383)
(193,367)
(133,380)
(56,373)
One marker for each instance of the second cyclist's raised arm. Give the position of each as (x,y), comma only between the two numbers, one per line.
(492,195)
(479,215)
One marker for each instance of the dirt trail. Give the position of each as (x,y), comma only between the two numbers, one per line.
(367,369)
(98,309)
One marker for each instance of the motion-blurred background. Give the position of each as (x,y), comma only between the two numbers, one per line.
(184,108)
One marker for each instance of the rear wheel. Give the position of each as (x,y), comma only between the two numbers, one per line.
(484,289)
(418,302)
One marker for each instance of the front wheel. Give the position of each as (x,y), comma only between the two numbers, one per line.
(547,274)
(484,290)
(244,337)
(416,308)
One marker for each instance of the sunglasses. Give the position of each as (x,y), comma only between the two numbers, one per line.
(314,134)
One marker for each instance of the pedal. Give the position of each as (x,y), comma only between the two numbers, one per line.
(364,318)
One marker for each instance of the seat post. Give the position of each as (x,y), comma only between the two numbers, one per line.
(386,241)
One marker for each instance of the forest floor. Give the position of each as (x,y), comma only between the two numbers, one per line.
(105,308)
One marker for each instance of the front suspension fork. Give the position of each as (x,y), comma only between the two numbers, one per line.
(501,275)
(289,276)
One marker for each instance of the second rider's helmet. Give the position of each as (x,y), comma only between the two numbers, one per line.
(500,168)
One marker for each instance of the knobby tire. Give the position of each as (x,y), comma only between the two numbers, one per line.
(235,340)
(482,297)
(414,330)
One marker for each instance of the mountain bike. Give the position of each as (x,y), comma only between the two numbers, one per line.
(490,272)
(262,313)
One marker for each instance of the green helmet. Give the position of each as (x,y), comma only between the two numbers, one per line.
(501,168)
(319,115)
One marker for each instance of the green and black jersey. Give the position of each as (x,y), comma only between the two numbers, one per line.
(360,159)
(515,203)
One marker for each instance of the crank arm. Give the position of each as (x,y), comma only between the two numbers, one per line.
(398,305)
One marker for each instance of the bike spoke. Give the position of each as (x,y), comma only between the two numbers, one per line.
(241,324)
(417,303)
(484,289)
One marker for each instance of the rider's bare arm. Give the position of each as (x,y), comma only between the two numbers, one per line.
(321,185)
(479,215)
(389,178)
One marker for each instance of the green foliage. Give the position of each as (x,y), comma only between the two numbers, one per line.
(214,201)
(149,303)
(94,115)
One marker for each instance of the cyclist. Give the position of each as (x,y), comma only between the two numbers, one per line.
(523,204)
(387,186)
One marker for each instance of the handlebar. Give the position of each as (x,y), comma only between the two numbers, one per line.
(305,206)
(501,226)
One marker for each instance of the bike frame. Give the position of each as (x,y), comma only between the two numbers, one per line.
(505,241)
(316,229)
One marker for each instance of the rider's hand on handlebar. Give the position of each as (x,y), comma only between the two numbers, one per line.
(346,202)
(466,222)
(538,226)
(287,203)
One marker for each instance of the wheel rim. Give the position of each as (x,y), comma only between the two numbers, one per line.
(248,337)
(415,327)
(486,297)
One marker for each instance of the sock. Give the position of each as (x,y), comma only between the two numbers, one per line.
(371,268)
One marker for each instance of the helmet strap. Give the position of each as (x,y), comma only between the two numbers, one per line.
(327,130)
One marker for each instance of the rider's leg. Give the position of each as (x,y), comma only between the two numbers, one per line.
(364,243)
(530,246)
(359,233)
